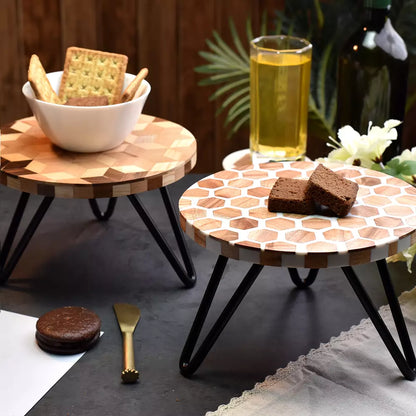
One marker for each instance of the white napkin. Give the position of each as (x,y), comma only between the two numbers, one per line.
(26,371)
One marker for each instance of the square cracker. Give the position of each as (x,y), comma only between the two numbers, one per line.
(39,81)
(88,72)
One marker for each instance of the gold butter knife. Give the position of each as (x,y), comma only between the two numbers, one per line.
(128,316)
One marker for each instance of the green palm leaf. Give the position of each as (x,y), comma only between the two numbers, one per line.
(238,114)
(237,42)
(240,123)
(230,71)
(228,87)
(244,91)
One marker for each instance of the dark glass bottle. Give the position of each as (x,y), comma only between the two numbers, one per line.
(372,74)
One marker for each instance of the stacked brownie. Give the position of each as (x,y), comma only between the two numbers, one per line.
(324,187)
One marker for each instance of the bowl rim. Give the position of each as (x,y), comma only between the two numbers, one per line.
(84,107)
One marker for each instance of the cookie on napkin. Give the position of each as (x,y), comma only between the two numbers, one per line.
(68,330)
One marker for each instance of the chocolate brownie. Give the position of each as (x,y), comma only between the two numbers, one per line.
(87,101)
(332,190)
(290,195)
(68,330)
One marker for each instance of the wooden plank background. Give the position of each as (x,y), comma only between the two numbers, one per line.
(164,35)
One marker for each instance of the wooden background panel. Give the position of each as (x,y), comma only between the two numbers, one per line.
(196,22)
(79,20)
(157,46)
(117,30)
(41,32)
(164,35)
(12,72)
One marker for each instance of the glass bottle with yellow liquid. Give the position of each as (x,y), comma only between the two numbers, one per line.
(280,72)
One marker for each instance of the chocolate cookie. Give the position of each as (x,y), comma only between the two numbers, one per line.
(68,330)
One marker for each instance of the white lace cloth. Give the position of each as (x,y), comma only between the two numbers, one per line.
(353,374)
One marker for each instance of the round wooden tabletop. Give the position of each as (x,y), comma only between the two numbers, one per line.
(227,213)
(157,153)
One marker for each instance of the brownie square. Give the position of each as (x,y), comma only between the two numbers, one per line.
(290,195)
(332,190)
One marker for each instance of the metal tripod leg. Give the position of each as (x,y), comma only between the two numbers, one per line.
(188,365)
(188,275)
(405,365)
(7,264)
(103,216)
(303,283)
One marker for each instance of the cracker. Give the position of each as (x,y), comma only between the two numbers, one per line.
(40,83)
(88,72)
(130,92)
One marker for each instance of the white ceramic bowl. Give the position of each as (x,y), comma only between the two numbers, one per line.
(86,129)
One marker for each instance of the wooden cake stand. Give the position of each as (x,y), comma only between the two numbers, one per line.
(227,214)
(156,154)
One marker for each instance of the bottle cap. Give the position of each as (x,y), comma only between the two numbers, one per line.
(377,4)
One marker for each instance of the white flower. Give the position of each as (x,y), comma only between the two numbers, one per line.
(365,150)
(406,255)
(407,155)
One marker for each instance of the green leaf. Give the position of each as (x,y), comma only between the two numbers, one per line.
(221,78)
(233,60)
(405,168)
(228,51)
(242,102)
(332,111)
(240,123)
(319,15)
(249,30)
(241,110)
(263,25)
(215,59)
(318,125)
(237,41)
(243,91)
(279,26)
(212,69)
(322,74)
(228,87)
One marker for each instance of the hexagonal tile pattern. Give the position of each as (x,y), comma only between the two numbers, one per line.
(155,154)
(244,223)
(280,224)
(244,229)
(227,192)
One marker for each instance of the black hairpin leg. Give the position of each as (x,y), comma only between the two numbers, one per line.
(187,274)
(190,277)
(406,364)
(303,283)
(7,264)
(103,216)
(188,365)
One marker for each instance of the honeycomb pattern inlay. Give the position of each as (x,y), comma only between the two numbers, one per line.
(227,213)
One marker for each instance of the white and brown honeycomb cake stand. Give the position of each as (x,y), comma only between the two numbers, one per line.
(227,214)
(157,153)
